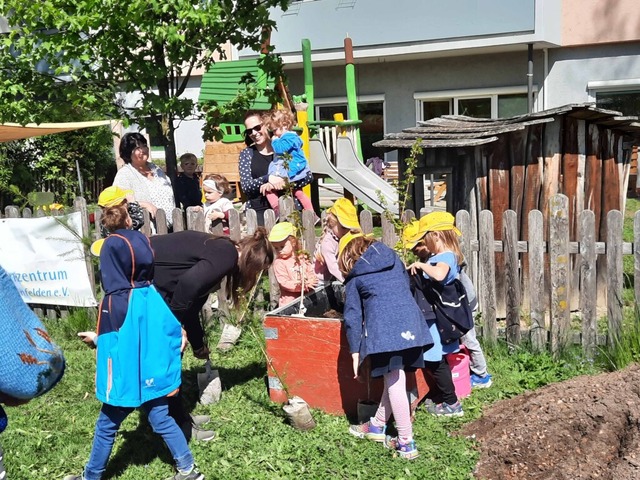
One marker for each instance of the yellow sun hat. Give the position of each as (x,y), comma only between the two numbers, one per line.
(346,213)
(411,234)
(281,231)
(96,247)
(437,222)
(344,241)
(112,196)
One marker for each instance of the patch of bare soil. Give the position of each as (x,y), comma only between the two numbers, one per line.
(584,428)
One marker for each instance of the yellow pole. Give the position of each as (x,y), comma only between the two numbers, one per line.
(302,117)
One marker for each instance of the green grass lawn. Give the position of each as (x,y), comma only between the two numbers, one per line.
(51,436)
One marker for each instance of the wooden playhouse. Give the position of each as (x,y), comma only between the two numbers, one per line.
(519,163)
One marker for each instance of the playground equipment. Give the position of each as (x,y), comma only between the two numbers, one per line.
(332,152)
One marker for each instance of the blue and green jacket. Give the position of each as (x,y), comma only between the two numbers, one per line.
(138,344)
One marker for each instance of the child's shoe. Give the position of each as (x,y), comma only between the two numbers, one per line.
(445,410)
(369,431)
(481,382)
(194,474)
(408,450)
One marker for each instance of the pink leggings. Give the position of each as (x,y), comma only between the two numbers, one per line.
(305,201)
(394,400)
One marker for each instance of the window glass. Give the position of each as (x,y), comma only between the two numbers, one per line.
(435,109)
(475,107)
(627,102)
(512,105)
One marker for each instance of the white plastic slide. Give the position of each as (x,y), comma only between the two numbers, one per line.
(352,174)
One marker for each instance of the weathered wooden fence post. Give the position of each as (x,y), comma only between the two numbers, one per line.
(588,288)
(614,276)
(538,331)
(559,270)
(366,221)
(512,277)
(487,276)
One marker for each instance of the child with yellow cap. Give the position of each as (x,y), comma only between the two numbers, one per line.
(340,219)
(112,196)
(291,268)
(385,326)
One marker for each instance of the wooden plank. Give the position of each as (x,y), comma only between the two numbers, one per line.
(588,291)
(252,221)
(235,228)
(309,232)
(512,279)
(366,222)
(80,205)
(559,271)
(518,158)
(463,222)
(178,220)
(614,276)
(389,236)
(161,222)
(11,211)
(569,187)
(195,219)
(538,330)
(26,212)
(487,288)
(274,288)
(498,163)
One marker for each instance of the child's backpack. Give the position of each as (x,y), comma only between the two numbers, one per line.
(450,303)
(31,363)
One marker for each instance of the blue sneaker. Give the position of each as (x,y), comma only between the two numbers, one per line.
(369,431)
(408,450)
(481,382)
(445,410)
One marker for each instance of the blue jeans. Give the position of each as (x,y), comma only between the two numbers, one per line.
(109,422)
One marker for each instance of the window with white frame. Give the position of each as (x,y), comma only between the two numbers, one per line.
(370,112)
(620,95)
(479,103)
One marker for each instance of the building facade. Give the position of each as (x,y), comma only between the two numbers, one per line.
(419,59)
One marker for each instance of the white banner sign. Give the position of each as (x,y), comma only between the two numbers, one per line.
(46,260)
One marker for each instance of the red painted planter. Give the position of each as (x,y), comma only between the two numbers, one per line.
(311,356)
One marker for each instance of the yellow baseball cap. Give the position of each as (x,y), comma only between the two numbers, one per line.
(344,241)
(96,247)
(437,222)
(411,234)
(281,231)
(112,196)
(346,213)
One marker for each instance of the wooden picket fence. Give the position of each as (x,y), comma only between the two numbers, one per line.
(553,269)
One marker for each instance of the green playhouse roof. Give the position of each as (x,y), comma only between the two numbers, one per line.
(221,82)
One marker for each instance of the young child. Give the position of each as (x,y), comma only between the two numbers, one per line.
(385,325)
(188,184)
(138,344)
(340,219)
(216,207)
(480,378)
(112,196)
(291,266)
(446,401)
(286,142)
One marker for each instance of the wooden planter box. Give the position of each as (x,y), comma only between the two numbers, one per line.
(311,355)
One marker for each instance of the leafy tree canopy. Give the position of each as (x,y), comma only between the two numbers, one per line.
(70,55)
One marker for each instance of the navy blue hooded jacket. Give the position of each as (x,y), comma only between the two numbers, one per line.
(380,314)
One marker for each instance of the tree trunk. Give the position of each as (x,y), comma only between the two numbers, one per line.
(170,155)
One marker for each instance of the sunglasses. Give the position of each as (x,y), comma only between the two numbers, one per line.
(255,129)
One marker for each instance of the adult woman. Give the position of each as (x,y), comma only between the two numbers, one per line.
(189,265)
(254,163)
(151,186)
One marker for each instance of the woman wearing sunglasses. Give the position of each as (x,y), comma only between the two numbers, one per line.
(254,166)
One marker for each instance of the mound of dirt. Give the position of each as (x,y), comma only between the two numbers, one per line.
(584,428)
